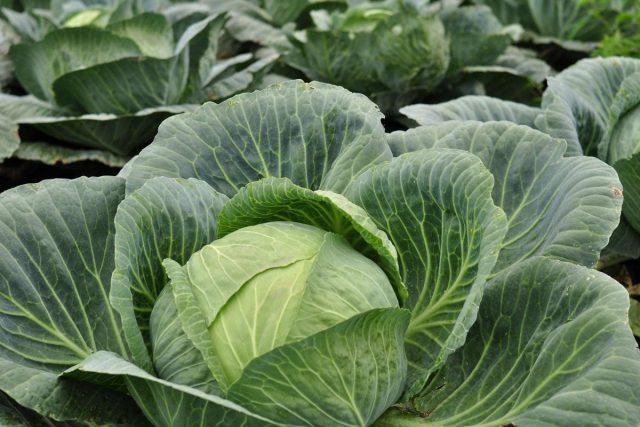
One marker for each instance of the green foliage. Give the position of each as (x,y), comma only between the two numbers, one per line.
(278,259)
(622,33)
(104,76)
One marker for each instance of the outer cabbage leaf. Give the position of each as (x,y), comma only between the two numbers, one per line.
(596,103)
(346,375)
(436,207)
(69,400)
(124,87)
(318,135)
(577,104)
(561,207)
(164,403)
(551,346)
(25,25)
(38,64)
(479,108)
(55,263)
(623,150)
(510,12)
(165,218)
(131,84)
(121,135)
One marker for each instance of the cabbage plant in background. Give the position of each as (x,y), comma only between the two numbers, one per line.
(278,259)
(99,79)
(396,51)
(577,25)
(592,105)
(623,34)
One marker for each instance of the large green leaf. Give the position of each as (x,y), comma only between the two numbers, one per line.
(562,207)
(124,86)
(525,62)
(121,135)
(551,346)
(38,64)
(318,135)
(346,375)
(436,207)
(66,400)
(165,403)
(131,84)
(577,102)
(597,103)
(56,260)
(278,199)
(19,107)
(165,218)
(480,108)
(7,38)
(55,267)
